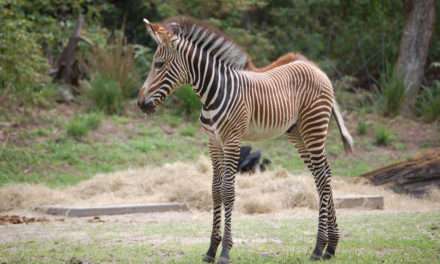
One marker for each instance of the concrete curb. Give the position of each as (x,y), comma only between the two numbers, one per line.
(112,209)
(374,202)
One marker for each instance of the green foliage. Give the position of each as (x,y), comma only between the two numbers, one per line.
(383,136)
(428,103)
(362,128)
(143,56)
(22,64)
(393,93)
(106,95)
(352,37)
(80,125)
(30,33)
(189,101)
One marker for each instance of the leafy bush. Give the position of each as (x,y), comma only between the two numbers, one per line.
(428,104)
(79,126)
(383,136)
(22,64)
(362,128)
(116,62)
(106,95)
(393,93)
(190,102)
(32,33)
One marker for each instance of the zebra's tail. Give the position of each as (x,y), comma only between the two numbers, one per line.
(345,135)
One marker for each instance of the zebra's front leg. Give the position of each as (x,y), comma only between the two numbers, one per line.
(231,150)
(216,153)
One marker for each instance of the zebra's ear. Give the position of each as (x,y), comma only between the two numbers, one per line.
(150,28)
(159,33)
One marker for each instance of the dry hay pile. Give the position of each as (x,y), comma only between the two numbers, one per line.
(191,183)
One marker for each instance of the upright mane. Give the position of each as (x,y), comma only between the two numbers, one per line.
(207,37)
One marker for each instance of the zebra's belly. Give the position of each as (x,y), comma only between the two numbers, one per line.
(256,133)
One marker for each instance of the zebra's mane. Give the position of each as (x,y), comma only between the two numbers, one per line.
(203,35)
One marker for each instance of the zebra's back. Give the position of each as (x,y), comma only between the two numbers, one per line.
(274,99)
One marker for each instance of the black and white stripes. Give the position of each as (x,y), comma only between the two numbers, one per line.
(295,99)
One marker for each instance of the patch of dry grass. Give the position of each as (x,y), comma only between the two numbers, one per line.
(190,183)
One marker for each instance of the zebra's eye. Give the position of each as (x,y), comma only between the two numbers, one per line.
(158,64)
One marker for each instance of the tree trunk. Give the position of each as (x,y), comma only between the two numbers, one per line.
(65,66)
(414,46)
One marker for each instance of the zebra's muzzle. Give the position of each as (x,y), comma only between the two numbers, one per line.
(147,106)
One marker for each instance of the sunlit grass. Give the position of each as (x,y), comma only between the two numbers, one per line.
(366,238)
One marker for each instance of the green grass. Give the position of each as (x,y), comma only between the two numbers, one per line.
(189,131)
(63,160)
(80,125)
(68,161)
(47,154)
(366,238)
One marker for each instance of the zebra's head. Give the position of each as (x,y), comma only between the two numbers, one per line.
(167,71)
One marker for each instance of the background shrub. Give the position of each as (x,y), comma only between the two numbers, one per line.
(428,104)
(362,128)
(116,61)
(383,136)
(188,101)
(106,95)
(392,94)
(22,64)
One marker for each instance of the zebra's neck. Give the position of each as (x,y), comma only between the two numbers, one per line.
(211,79)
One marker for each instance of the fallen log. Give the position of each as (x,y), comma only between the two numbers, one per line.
(416,176)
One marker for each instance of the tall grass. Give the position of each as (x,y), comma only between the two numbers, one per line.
(392,93)
(116,61)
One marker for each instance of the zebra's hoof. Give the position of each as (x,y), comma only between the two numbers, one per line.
(315,257)
(328,255)
(208,259)
(223,260)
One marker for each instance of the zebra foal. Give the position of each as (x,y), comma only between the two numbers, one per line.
(239,103)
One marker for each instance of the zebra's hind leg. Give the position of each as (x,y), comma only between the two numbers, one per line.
(333,231)
(295,138)
(322,237)
(322,181)
(313,130)
(216,153)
